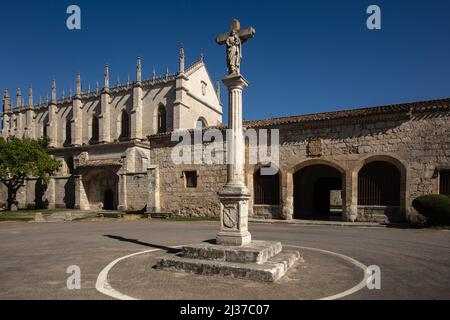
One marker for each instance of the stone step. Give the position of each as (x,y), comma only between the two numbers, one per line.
(269,271)
(255,252)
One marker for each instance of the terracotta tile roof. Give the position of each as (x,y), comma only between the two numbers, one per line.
(413,107)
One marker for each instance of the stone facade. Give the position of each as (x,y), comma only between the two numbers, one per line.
(415,138)
(322,156)
(100,136)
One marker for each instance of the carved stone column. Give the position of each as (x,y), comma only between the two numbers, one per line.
(234,196)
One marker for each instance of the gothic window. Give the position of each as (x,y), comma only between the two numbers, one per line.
(444,182)
(70,165)
(191,179)
(125,126)
(379,184)
(266,188)
(162,119)
(68,133)
(44,131)
(203,88)
(201,123)
(95,129)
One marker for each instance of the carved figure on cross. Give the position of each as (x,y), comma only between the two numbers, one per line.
(233,41)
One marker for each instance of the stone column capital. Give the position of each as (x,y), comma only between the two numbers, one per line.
(235,81)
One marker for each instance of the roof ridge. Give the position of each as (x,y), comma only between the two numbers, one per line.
(412,104)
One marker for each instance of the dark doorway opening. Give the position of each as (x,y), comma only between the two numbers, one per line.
(266,188)
(318,193)
(379,185)
(108,203)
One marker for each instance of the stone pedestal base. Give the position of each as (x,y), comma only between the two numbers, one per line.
(234,216)
(258,261)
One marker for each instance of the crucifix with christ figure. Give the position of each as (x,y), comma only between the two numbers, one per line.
(234,40)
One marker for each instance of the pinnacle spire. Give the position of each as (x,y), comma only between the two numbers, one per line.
(30,97)
(6,100)
(54,91)
(19,98)
(106,78)
(218,89)
(78,85)
(138,70)
(181,59)
(166,76)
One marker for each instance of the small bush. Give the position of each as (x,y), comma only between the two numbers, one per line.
(436,208)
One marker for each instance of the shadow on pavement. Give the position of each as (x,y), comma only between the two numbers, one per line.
(151,245)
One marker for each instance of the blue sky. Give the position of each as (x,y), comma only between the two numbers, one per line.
(306,57)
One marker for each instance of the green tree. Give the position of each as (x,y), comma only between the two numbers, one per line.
(23,158)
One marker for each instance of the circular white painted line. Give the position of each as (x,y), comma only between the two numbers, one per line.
(361,285)
(104,287)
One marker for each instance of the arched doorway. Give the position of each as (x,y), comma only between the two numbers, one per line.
(318,193)
(102,188)
(108,202)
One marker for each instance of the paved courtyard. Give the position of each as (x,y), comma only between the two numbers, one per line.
(415,264)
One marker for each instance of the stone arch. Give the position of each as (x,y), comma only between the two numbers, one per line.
(390,213)
(96,183)
(68,132)
(316,190)
(123,125)
(161,119)
(94,129)
(201,123)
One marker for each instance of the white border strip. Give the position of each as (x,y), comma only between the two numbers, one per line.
(102,285)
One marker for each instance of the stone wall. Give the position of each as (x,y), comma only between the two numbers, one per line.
(136,191)
(414,144)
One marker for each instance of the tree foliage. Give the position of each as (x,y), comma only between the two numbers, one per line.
(23,158)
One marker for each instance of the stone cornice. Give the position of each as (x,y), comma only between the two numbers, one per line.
(110,145)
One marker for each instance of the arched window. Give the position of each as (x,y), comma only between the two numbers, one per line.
(162,126)
(70,165)
(379,184)
(125,126)
(95,129)
(44,130)
(201,123)
(68,132)
(266,188)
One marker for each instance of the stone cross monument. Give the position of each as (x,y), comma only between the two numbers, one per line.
(234,196)
(234,254)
